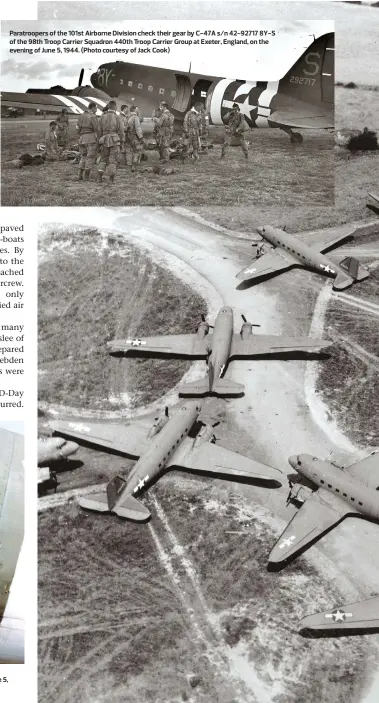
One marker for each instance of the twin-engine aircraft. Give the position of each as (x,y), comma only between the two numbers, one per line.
(303,98)
(218,348)
(50,451)
(283,251)
(170,443)
(353,619)
(326,494)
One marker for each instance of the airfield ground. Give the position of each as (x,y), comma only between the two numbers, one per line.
(276,169)
(178,610)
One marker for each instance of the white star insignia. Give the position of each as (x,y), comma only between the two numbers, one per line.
(140,484)
(327,268)
(250,270)
(79,427)
(338,615)
(287,542)
(135,342)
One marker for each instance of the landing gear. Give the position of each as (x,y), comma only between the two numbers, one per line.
(295,137)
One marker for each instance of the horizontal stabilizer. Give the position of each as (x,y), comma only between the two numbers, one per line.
(354,272)
(96,501)
(223,387)
(200,387)
(132,509)
(342,281)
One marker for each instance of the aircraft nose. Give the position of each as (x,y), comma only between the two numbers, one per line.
(294,461)
(260,230)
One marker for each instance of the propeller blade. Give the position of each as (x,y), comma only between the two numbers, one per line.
(166,411)
(216,423)
(244,318)
(202,317)
(81,74)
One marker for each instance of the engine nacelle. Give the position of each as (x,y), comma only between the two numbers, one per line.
(299,494)
(246,330)
(202,330)
(159,423)
(206,434)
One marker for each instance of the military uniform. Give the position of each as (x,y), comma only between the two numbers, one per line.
(191,138)
(165,128)
(203,124)
(111,138)
(235,127)
(124,117)
(155,117)
(134,137)
(62,129)
(51,145)
(87,128)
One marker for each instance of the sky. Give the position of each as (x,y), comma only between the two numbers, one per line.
(256,62)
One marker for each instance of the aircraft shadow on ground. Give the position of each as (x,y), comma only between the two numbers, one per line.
(345,632)
(63,465)
(373,208)
(250,480)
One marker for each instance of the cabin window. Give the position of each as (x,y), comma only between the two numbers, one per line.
(173,93)
(150,88)
(359,503)
(121,81)
(344,494)
(161,91)
(130,83)
(140,86)
(329,485)
(338,490)
(322,481)
(353,499)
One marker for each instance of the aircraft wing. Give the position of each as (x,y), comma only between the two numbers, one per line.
(183,345)
(274,260)
(360,616)
(318,514)
(213,459)
(130,440)
(262,344)
(74,104)
(374,197)
(366,470)
(326,239)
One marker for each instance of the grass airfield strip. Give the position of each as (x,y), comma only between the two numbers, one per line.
(276,169)
(123,606)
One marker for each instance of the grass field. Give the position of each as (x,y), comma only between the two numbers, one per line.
(200,627)
(93,288)
(355,175)
(277,171)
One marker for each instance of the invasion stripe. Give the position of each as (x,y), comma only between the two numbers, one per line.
(68,103)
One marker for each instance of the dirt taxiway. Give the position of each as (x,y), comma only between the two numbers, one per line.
(280,412)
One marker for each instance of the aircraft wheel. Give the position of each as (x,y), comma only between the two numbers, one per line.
(296,138)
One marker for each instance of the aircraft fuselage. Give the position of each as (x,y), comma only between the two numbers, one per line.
(341,483)
(221,344)
(152,463)
(305,255)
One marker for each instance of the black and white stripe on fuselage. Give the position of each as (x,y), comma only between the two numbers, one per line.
(78,105)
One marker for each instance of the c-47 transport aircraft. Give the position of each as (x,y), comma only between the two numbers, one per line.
(326,494)
(218,348)
(165,445)
(303,98)
(353,619)
(283,251)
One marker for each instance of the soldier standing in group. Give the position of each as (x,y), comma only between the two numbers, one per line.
(124,114)
(135,136)
(111,138)
(191,133)
(165,128)
(87,128)
(51,142)
(62,128)
(155,117)
(235,127)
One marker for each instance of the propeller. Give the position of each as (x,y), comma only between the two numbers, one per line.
(166,411)
(290,492)
(81,74)
(250,323)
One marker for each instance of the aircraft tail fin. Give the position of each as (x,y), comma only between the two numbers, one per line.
(114,490)
(354,272)
(132,509)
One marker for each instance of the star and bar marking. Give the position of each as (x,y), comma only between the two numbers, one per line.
(327,268)
(338,615)
(135,342)
(141,484)
(79,427)
(287,542)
